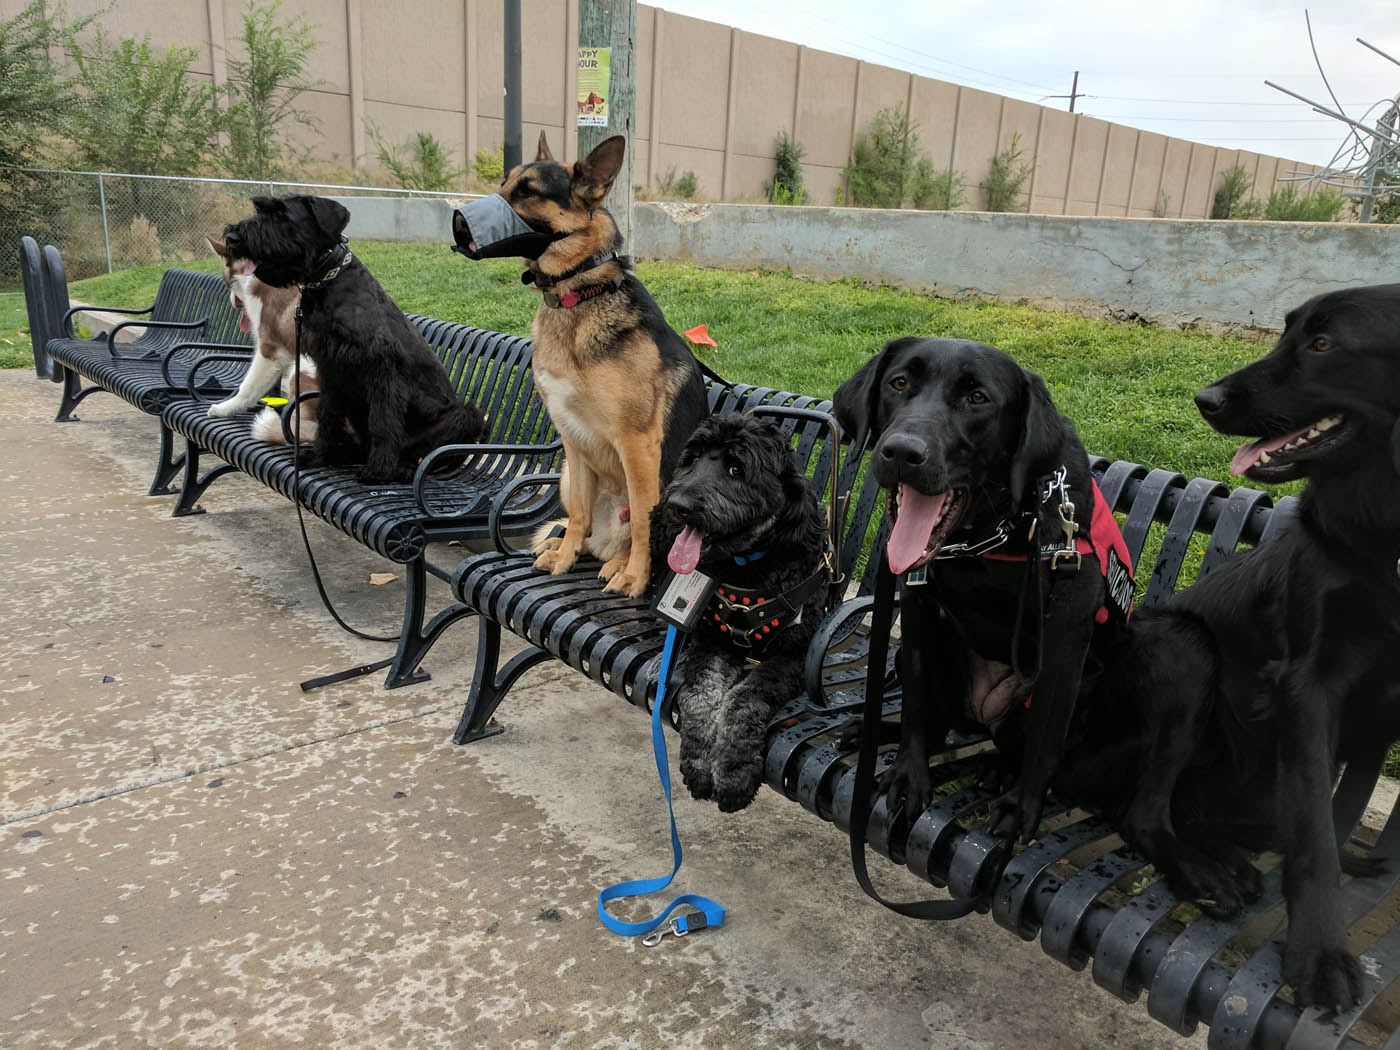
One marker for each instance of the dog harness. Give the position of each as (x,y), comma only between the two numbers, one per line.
(750,619)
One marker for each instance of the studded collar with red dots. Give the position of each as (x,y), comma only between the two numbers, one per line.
(750,618)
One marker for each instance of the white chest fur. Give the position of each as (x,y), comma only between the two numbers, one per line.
(579,422)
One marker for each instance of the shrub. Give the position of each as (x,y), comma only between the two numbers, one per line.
(1006,175)
(882,161)
(935,190)
(1387,208)
(424,162)
(786,187)
(490,164)
(1286,204)
(262,90)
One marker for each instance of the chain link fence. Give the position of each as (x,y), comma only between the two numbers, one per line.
(105,221)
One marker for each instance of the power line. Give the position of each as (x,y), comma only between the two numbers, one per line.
(1202,120)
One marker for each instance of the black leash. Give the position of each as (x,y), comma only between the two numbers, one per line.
(353,672)
(881,620)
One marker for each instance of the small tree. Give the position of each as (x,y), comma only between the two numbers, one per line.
(141,111)
(263,88)
(490,164)
(882,161)
(786,187)
(425,162)
(935,190)
(1006,175)
(1229,202)
(1286,204)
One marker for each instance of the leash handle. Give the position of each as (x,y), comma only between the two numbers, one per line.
(710,913)
(881,621)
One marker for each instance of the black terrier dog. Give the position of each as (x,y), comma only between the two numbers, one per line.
(385,399)
(739,510)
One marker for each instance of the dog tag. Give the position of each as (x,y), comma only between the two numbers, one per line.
(917,577)
(683,599)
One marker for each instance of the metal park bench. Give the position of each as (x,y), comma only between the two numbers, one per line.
(191,316)
(399,521)
(1094,902)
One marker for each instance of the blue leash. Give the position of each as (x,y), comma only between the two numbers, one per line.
(709,913)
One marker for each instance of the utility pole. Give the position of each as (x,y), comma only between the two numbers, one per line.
(510,147)
(612,24)
(1073,92)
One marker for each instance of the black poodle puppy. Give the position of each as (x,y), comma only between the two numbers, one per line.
(386,400)
(739,510)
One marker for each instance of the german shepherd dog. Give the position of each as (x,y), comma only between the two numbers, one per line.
(621,387)
(269,315)
(982,472)
(386,400)
(1239,698)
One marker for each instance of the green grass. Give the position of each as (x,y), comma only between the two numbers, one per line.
(16,351)
(1127,387)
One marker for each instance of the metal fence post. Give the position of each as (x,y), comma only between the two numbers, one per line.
(106,237)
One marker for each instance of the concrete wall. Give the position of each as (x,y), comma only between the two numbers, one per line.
(710,99)
(1166,271)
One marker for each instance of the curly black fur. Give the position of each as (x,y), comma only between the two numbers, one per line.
(738,482)
(377,374)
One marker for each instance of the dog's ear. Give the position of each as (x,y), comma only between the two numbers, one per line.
(857,399)
(331,216)
(543,152)
(269,205)
(217,247)
(1041,444)
(594,174)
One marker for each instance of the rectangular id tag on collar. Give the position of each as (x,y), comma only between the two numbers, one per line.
(917,577)
(683,599)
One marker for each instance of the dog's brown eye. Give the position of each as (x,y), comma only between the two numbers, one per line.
(899,382)
(977,397)
(1322,343)
(734,471)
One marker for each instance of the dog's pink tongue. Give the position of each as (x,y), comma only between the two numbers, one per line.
(1249,454)
(244,325)
(248,267)
(685,552)
(918,514)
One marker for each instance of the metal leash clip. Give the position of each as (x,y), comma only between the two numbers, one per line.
(680,925)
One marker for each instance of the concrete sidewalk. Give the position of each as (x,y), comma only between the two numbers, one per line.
(193,853)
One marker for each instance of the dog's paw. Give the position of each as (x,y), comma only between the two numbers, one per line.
(624,582)
(1321,976)
(907,783)
(224,409)
(307,456)
(698,779)
(556,561)
(549,543)
(1215,889)
(737,782)
(612,567)
(1015,816)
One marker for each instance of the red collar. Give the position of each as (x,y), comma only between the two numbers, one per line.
(572,298)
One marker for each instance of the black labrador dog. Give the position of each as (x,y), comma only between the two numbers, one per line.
(740,510)
(1006,589)
(386,400)
(1226,722)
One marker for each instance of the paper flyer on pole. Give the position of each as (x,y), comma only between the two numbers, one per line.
(594,72)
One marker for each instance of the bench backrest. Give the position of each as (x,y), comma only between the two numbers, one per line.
(188,295)
(492,369)
(38,308)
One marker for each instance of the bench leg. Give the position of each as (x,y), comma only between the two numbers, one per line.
(415,640)
(489,687)
(192,486)
(73,392)
(167,464)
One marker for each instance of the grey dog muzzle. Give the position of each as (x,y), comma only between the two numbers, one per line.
(489,228)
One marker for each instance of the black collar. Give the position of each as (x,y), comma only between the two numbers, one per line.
(575,296)
(546,281)
(329,266)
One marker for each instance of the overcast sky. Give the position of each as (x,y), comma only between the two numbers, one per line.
(1190,68)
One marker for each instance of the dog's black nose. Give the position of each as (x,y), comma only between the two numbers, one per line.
(1210,400)
(904,450)
(680,504)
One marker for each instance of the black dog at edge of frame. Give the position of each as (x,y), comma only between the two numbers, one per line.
(964,441)
(740,510)
(377,374)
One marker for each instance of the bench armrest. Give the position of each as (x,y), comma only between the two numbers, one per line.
(65,324)
(837,626)
(287,413)
(503,499)
(190,386)
(220,348)
(477,459)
